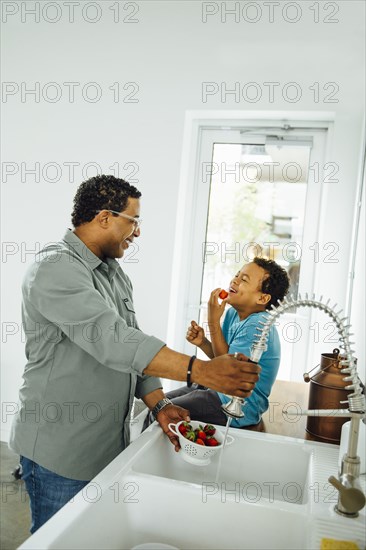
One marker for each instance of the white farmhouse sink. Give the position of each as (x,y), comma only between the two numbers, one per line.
(272,493)
(256,469)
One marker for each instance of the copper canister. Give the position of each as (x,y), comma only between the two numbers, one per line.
(327,390)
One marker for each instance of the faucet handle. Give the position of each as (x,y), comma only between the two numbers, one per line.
(351,498)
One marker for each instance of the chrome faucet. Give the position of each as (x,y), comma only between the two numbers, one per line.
(351,498)
(234,408)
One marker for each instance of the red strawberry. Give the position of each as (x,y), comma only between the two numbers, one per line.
(200,441)
(211,442)
(184,428)
(209,429)
(223,294)
(201,435)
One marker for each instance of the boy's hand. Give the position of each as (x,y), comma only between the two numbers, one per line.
(215,309)
(195,334)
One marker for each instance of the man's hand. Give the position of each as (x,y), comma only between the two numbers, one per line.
(227,374)
(174,414)
(215,309)
(195,334)
(224,373)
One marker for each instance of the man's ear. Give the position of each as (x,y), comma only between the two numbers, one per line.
(264,299)
(103,218)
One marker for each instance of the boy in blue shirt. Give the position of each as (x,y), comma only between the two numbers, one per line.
(253,290)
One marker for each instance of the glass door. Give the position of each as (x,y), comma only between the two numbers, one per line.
(258,195)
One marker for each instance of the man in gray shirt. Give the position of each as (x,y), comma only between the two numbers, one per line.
(86,356)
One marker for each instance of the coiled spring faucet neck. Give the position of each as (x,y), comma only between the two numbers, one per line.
(356,400)
(351,498)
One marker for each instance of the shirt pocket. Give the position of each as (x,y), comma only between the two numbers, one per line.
(128,305)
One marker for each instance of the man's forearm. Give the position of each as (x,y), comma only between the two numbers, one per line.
(173,365)
(224,374)
(219,344)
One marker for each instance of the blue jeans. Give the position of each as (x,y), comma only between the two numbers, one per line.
(48,492)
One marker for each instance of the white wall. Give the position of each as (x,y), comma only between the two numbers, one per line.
(169,53)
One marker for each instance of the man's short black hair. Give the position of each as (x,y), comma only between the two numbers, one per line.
(99,193)
(276,284)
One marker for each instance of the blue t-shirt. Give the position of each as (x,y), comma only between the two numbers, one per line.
(240,336)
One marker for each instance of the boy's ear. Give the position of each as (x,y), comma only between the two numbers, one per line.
(264,299)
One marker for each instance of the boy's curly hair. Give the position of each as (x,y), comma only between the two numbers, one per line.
(276,284)
(99,193)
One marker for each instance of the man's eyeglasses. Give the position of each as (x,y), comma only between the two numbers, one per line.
(136,221)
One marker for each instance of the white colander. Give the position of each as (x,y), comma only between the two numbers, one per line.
(191,452)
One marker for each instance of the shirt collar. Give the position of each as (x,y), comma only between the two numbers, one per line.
(87,255)
(81,249)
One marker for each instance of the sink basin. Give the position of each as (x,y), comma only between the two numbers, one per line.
(251,469)
(271,492)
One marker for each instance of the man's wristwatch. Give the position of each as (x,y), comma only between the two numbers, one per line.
(160,406)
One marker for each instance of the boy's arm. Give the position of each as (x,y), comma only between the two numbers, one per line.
(206,347)
(219,345)
(214,313)
(196,336)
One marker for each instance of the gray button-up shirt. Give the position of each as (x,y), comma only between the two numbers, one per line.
(85,359)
